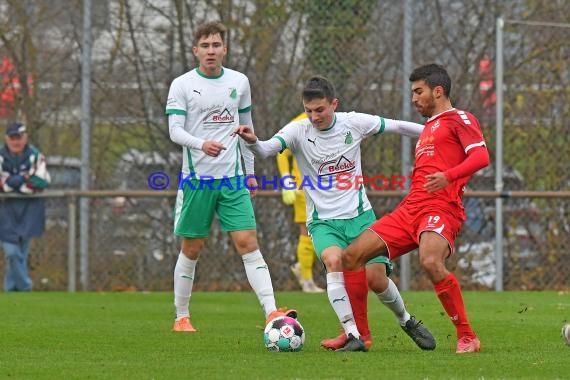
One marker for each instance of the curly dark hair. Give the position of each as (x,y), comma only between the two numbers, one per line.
(434,75)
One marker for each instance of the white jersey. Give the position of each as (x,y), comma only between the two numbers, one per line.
(323,156)
(211,106)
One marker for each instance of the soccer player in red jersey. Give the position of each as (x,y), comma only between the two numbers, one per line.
(450,149)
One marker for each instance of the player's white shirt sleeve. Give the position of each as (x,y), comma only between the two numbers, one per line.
(266,148)
(245,97)
(367,125)
(291,134)
(402,127)
(285,138)
(247,154)
(179,135)
(373,124)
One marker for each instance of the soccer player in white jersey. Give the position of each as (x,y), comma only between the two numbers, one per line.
(204,106)
(326,146)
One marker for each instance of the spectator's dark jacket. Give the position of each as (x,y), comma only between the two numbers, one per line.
(22,217)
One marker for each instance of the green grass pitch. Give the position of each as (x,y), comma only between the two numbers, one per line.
(127,336)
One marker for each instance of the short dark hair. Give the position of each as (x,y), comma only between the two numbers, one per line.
(318,87)
(208,29)
(434,75)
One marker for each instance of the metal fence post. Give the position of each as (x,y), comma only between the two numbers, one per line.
(405,266)
(72,243)
(85,143)
(499,160)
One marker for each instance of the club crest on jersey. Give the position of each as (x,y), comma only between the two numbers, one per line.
(435,126)
(348,138)
(340,165)
(233,93)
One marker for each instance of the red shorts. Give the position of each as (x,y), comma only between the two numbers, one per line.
(401,229)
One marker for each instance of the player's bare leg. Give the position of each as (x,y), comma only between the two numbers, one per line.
(362,249)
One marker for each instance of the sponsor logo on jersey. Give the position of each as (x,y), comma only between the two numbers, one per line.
(312,141)
(425,146)
(325,158)
(340,165)
(217,117)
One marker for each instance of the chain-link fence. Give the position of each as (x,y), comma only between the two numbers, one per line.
(140,46)
(132,246)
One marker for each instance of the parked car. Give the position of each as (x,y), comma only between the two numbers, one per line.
(146,220)
(135,167)
(65,173)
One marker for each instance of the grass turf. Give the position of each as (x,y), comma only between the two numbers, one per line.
(127,336)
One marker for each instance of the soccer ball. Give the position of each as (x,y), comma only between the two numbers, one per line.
(566,333)
(284,334)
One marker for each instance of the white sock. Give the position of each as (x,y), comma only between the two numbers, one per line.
(339,301)
(393,300)
(260,280)
(183,282)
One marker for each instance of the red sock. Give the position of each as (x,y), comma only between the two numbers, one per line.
(357,289)
(448,291)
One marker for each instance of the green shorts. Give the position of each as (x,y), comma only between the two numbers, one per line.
(197,202)
(341,232)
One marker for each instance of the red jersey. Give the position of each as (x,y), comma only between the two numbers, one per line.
(444,143)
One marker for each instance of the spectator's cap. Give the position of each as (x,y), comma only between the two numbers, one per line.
(15,128)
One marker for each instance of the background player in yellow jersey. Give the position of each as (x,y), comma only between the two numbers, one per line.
(303,268)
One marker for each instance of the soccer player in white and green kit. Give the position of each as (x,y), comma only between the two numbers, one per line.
(204,106)
(326,146)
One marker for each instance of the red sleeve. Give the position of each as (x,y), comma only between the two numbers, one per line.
(477,158)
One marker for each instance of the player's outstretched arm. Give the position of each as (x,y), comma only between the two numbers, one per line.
(402,127)
(246,133)
(261,149)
